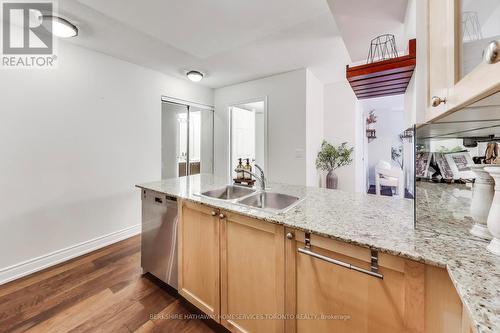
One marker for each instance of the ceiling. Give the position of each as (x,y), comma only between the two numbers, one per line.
(359,21)
(230,41)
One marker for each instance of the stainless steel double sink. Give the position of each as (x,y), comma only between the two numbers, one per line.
(253,198)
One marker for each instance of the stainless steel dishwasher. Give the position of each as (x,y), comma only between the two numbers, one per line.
(159,236)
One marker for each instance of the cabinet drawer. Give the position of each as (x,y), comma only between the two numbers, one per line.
(326,297)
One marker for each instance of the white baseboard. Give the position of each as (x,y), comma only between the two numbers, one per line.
(30,266)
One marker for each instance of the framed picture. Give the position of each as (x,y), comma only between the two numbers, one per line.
(459,164)
(422,162)
(444,166)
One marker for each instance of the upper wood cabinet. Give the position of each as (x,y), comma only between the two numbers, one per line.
(462,68)
(252,275)
(199,258)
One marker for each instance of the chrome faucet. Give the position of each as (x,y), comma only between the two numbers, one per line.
(261,177)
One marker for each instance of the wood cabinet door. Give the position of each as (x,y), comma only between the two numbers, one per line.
(443,308)
(198,238)
(443,51)
(322,297)
(447,58)
(252,275)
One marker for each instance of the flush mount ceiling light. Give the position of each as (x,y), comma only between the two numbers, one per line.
(61,27)
(194,76)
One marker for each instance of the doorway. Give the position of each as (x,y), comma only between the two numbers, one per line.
(248,134)
(187,140)
(384,148)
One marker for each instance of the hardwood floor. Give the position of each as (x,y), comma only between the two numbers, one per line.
(102,291)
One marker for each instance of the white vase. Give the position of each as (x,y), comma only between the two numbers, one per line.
(494,215)
(482,196)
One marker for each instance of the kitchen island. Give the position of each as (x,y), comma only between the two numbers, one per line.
(382,224)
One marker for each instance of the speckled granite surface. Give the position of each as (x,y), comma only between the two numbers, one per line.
(444,208)
(386,224)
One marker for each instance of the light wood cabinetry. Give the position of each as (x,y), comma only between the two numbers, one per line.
(232,268)
(444,311)
(252,274)
(199,258)
(348,300)
(442,53)
(456,72)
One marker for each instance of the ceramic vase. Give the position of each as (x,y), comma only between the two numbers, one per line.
(482,196)
(494,215)
(332,180)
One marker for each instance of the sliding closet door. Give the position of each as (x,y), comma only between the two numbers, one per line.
(174,128)
(201,140)
(187,140)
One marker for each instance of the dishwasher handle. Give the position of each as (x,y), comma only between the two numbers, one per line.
(167,199)
(158,198)
(374,259)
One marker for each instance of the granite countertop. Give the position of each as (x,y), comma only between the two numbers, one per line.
(444,208)
(385,224)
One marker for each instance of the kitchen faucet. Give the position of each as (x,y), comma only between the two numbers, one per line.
(261,178)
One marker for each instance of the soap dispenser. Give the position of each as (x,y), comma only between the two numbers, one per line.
(248,168)
(240,174)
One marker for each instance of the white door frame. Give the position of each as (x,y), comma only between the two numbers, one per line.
(266,128)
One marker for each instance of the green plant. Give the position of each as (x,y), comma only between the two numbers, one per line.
(331,157)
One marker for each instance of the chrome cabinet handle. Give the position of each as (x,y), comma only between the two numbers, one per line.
(221,216)
(374,259)
(491,54)
(436,101)
(290,235)
(340,263)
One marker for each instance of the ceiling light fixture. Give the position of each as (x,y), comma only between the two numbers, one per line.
(194,76)
(61,27)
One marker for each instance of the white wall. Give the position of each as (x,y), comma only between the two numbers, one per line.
(415,98)
(314,126)
(286,105)
(74,142)
(260,135)
(342,123)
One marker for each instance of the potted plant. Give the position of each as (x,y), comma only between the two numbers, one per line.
(331,158)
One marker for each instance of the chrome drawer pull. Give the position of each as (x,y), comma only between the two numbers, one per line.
(374,260)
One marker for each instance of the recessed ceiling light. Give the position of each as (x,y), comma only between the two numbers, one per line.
(61,27)
(194,76)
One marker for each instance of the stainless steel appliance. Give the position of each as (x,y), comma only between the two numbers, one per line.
(159,236)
